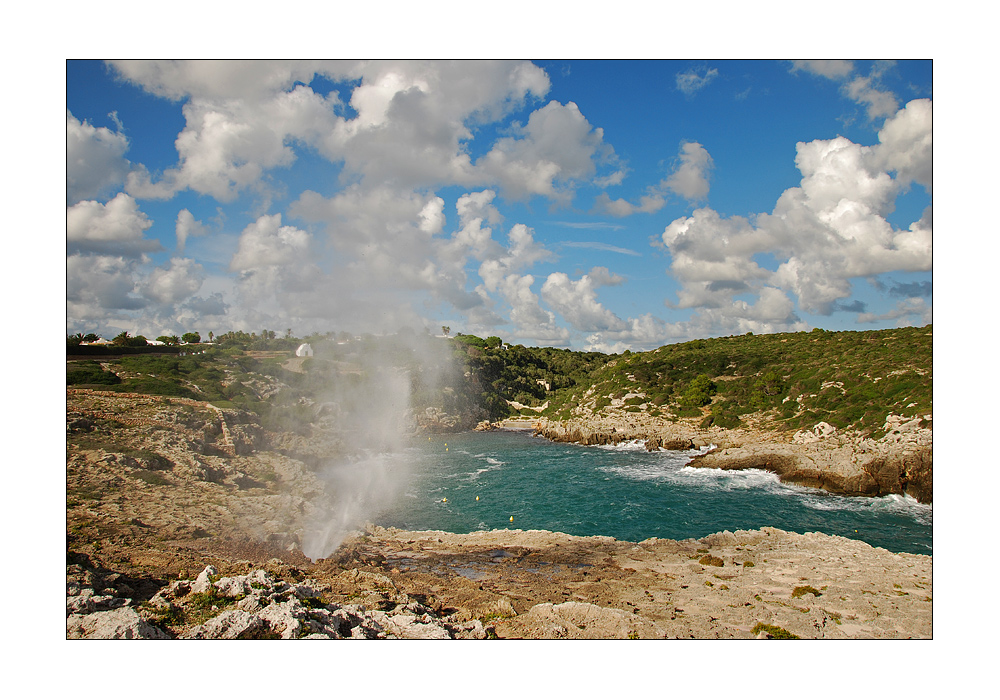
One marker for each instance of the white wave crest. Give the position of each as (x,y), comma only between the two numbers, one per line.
(625,446)
(492,463)
(892,503)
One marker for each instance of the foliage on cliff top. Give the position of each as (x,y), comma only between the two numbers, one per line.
(846,378)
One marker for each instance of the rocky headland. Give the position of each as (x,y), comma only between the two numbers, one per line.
(843,462)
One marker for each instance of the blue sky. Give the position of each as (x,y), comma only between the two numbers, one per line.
(591,204)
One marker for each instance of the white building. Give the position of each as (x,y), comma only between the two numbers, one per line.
(304,350)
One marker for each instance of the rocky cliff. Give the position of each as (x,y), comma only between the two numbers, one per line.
(847,463)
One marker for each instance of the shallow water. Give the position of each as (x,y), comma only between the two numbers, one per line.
(479,481)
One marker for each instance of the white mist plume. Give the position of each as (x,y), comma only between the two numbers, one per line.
(372,414)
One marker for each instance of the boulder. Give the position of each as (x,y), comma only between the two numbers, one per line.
(230,624)
(120,623)
(203,583)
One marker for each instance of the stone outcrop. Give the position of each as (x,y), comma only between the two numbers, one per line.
(900,462)
(256,605)
(548,585)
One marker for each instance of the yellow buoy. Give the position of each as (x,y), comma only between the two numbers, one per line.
(512,518)
(444,500)
(477,498)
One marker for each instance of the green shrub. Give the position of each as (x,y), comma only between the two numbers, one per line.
(773,632)
(699,392)
(800,591)
(91,374)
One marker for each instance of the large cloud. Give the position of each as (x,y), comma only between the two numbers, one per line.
(266,243)
(576,300)
(99,284)
(830,229)
(115,228)
(95,160)
(179,280)
(410,123)
(556,147)
(530,320)
(906,147)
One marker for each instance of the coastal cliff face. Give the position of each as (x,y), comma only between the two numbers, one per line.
(846,463)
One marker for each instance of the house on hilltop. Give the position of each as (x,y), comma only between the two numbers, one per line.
(304,350)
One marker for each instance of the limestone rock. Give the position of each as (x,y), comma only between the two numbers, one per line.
(121,623)
(231,624)
(203,583)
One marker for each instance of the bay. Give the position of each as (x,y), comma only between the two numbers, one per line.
(494,480)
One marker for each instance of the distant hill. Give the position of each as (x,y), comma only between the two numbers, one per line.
(849,379)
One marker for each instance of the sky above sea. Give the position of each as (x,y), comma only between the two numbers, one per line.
(589,204)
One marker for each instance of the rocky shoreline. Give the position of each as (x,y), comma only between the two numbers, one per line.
(845,463)
(185,521)
(513,584)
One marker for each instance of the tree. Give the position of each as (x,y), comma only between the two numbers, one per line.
(211,335)
(446,329)
(699,392)
(91,337)
(191,338)
(122,339)
(74,340)
(494,341)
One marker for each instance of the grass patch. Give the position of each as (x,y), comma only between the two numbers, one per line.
(773,631)
(800,591)
(151,477)
(206,605)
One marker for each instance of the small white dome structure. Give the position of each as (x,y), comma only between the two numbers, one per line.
(304,350)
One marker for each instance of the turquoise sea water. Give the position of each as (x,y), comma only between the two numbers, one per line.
(626,493)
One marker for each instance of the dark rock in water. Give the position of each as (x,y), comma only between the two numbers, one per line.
(657,442)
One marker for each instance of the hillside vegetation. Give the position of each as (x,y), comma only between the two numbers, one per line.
(850,379)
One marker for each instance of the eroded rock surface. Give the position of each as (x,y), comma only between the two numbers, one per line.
(171,535)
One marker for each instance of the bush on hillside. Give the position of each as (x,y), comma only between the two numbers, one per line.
(699,392)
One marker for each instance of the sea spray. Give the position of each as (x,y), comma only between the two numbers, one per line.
(372,413)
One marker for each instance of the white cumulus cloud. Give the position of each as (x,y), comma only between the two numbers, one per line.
(180,279)
(115,228)
(95,160)
(187,226)
(828,230)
